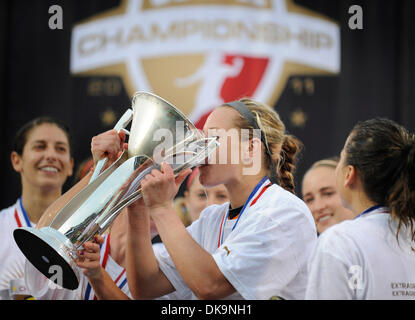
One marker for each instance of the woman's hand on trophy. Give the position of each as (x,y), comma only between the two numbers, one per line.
(109,144)
(89,258)
(160,187)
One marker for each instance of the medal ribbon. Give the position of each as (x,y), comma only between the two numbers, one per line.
(253,193)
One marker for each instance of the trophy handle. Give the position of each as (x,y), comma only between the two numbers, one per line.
(120,125)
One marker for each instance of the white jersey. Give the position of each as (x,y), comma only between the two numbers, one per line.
(263,253)
(47,290)
(12,260)
(362,259)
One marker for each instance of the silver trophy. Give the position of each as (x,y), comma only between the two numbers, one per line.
(159,132)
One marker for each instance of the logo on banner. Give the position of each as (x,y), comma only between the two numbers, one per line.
(199,54)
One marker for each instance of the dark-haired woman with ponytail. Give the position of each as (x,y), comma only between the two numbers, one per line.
(254,247)
(373,255)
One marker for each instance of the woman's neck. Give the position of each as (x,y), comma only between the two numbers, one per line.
(35,202)
(239,190)
(360,202)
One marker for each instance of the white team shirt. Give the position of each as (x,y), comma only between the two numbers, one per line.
(47,290)
(12,260)
(361,259)
(264,256)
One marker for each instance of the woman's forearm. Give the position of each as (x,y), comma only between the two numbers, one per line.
(145,279)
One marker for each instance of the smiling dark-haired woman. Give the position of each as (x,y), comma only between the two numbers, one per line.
(42,156)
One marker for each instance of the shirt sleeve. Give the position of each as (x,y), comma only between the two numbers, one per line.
(166,264)
(168,267)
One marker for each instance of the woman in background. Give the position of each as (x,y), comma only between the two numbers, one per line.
(321,196)
(197,197)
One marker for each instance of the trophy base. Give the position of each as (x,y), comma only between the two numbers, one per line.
(47,255)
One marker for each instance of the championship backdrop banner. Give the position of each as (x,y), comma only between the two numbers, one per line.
(199,54)
(320,68)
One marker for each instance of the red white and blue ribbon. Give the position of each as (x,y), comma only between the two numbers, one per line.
(21,216)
